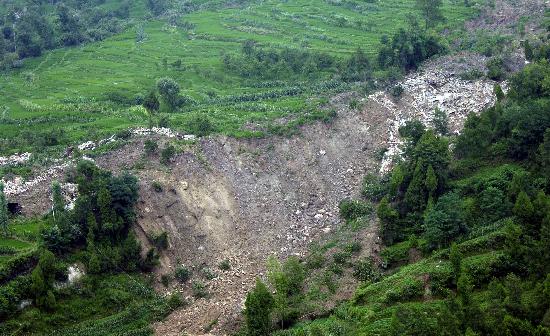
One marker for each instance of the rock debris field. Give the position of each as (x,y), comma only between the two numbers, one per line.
(245,199)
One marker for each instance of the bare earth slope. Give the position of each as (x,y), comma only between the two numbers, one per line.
(244,200)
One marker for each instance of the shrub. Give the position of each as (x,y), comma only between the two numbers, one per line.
(409,289)
(315,260)
(225,265)
(341,257)
(167,154)
(200,125)
(165,280)
(373,187)
(182,274)
(209,274)
(496,69)
(364,270)
(353,209)
(397,91)
(157,186)
(199,290)
(150,146)
(353,247)
(161,240)
(175,301)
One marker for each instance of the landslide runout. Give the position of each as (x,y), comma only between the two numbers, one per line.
(243,200)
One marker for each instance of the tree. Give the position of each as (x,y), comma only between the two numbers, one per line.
(169,90)
(42,279)
(258,306)
(431,182)
(412,131)
(493,204)
(167,153)
(497,90)
(431,11)
(455,257)
(544,153)
(388,221)
(4,216)
(528,49)
(151,103)
(58,207)
(157,7)
(445,221)
(287,280)
(523,208)
(440,122)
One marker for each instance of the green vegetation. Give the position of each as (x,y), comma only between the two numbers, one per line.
(105,85)
(114,296)
(466,230)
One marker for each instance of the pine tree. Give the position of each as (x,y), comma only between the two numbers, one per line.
(58,207)
(42,279)
(396,180)
(455,257)
(4,217)
(497,90)
(440,122)
(524,208)
(388,221)
(258,306)
(431,182)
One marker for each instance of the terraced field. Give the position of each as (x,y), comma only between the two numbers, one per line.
(72,89)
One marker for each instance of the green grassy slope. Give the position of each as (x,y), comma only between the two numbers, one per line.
(55,90)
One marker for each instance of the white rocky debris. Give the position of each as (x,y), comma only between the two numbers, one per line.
(15,159)
(19,186)
(424,92)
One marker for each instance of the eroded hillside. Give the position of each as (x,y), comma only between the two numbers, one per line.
(243,200)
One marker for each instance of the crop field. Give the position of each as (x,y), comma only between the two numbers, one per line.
(71,89)
(23,239)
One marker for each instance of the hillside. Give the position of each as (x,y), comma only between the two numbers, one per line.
(90,91)
(250,168)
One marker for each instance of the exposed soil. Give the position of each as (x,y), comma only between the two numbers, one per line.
(244,200)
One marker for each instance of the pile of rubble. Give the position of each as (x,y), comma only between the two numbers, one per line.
(18,186)
(163,131)
(15,159)
(426,90)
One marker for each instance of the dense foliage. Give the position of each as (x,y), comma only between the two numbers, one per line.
(27,28)
(96,233)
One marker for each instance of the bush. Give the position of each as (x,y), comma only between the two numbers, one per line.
(167,154)
(353,209)
(408,289)
(315,260)
(200,125)
(165,280)
(225,265)
(496,69)
(161,240)
(341,257)
(157,186)
(373,187)
(199,290)
(364,270)
(209,274)
(397,91)
(182,274)
(151,147)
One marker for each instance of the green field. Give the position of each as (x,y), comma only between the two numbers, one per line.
(67,88)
